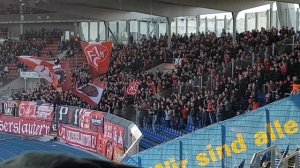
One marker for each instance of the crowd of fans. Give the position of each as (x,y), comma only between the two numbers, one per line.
(31,43)
(225,92)
(214,79)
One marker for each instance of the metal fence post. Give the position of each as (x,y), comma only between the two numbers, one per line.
(180,153)
(232,67)
(273,49)
(293,45)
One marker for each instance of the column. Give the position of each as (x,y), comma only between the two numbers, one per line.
(89,31)
(277,20)
(106,31)
(98,32)
(297,20)
(216,25)
(176,26)
(128,30)
(197,25)
(246,21)
(256,20)
(206,25)
(157,28)
(148,28)
(117,30)
(268,19)
(286,18)
(21,17)
(186,25)
(225,23)
(169,21)
(271,15)
(138,30)
(76,28)
(234,16)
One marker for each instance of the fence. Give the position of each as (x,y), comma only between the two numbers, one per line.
(99,132)
(229,143)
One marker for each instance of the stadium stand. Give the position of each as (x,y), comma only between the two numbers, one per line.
(214,77)
(187,107)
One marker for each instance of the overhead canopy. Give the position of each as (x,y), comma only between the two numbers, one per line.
(138,9)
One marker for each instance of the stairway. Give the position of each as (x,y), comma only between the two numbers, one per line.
(291,163)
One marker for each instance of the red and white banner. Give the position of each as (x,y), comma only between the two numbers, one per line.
(45,111)
(133,88)
(76,137)
(85,119)
(118,136)
(9,108)
(90,93)
(115,133)
(108,130)
(27,109)
(97,122)
(16,125)
(98,56)
(30,110)
(58,75)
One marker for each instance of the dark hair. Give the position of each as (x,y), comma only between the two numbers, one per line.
(48,160)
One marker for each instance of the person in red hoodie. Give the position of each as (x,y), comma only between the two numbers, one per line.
(185,113)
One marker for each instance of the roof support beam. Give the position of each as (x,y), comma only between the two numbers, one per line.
(127,6)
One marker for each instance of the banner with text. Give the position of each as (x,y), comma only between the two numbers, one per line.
(16,125)
(76,137)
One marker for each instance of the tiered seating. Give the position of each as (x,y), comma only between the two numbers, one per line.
(77,60)
(160,135)
(152,138)
(53,47)
(169,131)
(190,128)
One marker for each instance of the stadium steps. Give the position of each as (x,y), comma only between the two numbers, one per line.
(291,163)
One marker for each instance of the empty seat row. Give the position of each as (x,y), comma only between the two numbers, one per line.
(156,137)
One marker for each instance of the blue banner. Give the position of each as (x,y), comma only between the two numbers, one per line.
(228,143)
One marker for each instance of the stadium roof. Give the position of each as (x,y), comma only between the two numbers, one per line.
(138,9)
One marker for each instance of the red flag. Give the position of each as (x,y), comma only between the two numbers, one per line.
(59,75)
(90,93)
(133,88)
(98,56)
(40,65)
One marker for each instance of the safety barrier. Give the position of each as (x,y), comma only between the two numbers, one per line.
(231,142)
(96,131)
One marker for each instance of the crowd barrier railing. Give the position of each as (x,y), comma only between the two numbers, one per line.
(99,132)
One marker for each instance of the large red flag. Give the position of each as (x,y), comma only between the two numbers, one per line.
(133,88)
(98,56)
(90,93)
(59,75)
